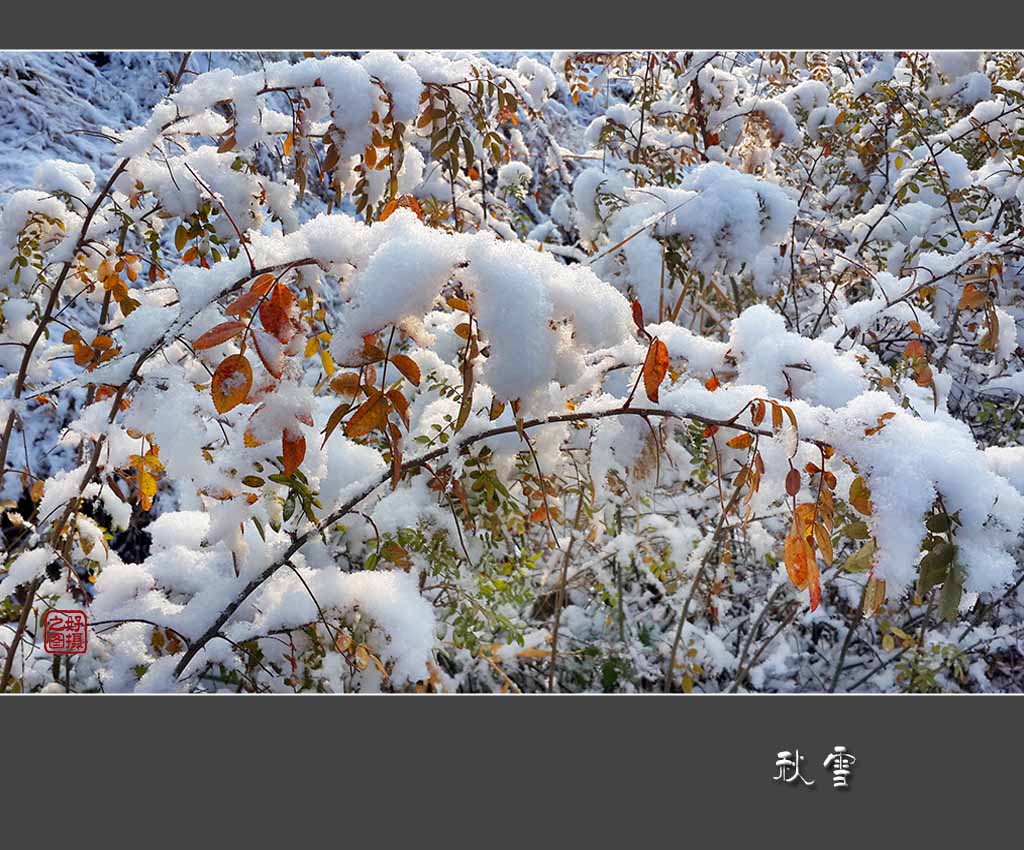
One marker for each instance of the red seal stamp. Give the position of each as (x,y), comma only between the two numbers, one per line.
(65,632)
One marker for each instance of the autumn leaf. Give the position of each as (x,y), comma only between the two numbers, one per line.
(798,555)
(757,414)
(793,482)
(347,383)
(824,541)
(497,408)
(712,383)
(407,366)
(863,559)
(988,342)
(248,300)
(467,395)
(275,322)
(655,368)
(814,585)
(293,449)
(801,564)
(400,404)
(973,298)
(231,382)
(741,441)
(860,496)
(372,414)
(638,314)
(874,596)
(218,334)
(147,489)
(914,349)
(334,419)
(269,350)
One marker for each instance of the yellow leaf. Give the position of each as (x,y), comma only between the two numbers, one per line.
(860,496)
(327,362)
(534,652)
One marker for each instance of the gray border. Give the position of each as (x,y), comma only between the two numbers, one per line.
(524,769)
(523,24)
(520,768)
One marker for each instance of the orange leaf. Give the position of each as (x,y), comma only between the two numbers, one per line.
(373,413)
(712,383)
(655,368)
(334,419)
(218,334)
(284,299)
(757,416)
(399,402)
(806,512)
(824,541)
(798,556)
(275,321)
(741,441)
(915,348)
(814,584)
(347,383)
(293,449)
(973,298)
(231,382)
(407,366)
(248,300)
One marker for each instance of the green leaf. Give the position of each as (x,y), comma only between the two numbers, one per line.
(952,590)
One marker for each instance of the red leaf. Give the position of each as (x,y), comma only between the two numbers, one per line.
(638,314)
(793,482)
(275,321)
